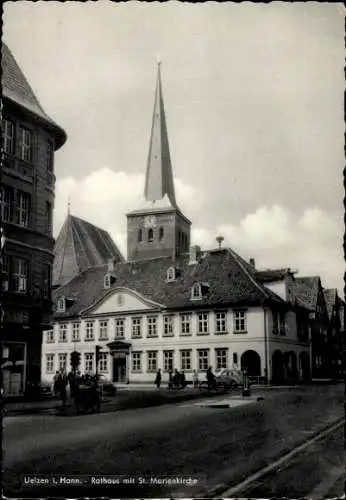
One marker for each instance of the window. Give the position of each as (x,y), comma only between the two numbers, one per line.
(136,361)
(63,333)
(89,331)
(22,209)
(171,274)
(20,275)
(62,362)
(50,337)
(239,321)
(103,330)
(203,323)
(76,332)
(7,200)
(48,217)
(8,137)
(50,363)
(46,281)
(107,281)
(221,358)
(161,233)
(25,144)
(152,361)
(150,235)
(196,292)
(49,156)
(185,359)
(235,358)
(139,236)
(282,323)
(185,324)
(203,359)
(168,326)
(5,270)
(136,327)
(168,361)
(89,362)
(152,327)
(103,362)
(275,322)
(61,305)
(221,322)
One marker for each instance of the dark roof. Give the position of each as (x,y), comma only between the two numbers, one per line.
(16,88)
(80,246)
(230,284)
(330,297)
(306,291)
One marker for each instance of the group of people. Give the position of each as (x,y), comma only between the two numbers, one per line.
(74,380)
(178,379)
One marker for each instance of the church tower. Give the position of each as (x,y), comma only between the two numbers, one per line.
(158,228)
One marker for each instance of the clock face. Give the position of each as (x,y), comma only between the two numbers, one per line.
(150,221)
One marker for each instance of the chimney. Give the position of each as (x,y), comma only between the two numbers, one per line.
(111,265)
(194,253)
(219,239)
(252,262)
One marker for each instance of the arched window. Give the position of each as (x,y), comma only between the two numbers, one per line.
(139,236)
(171,274)
(150,235)
(161,233)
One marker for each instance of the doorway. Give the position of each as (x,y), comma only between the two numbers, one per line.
(119,369)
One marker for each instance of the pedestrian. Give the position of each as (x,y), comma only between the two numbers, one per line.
(210,379)
(182,380)
(62,388)
(195,379)
(71,377)
(158,378)
(56,383)
(170,379)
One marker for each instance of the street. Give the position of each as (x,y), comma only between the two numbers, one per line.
(216,448)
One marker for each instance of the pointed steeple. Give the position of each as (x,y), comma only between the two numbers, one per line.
(159,176)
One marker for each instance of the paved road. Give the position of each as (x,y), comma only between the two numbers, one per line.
(214,446)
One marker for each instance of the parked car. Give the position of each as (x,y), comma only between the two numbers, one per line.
(225,379)
(106,386)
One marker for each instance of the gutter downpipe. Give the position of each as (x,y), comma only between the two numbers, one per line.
(266,373)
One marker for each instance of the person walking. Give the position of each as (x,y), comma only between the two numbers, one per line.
(170,379)
(62,388)
(56,384)
(210,379)
(195,379)
(158,378)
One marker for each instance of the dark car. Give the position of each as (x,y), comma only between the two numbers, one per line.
(225,379)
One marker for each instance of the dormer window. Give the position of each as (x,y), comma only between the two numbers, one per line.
(171,274)
(196,292)
(107,281)
(61,305)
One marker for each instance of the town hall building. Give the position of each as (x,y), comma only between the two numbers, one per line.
(172,305)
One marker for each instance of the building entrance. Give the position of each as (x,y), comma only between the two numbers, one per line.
(119,369)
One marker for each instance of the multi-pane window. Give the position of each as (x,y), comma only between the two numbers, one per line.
(63,333)
(196,292)
(120,328)
(49,156)
(168,361)
(22,208)
(50,363)
(5,273)
(168,326)
(239,321)
(48,217)
(26,144)
(7,201)
(221,358)
(185,359)
(203,359)
(89,362)
(152,361)
(282,323)
(136,361)
(50,337)
(61,304)
(89,329)
(185,324)
(62,361)
(136,327)
(8,137)
(203,323)
(103,362)
(20,275)
(103,330)
(76,332)
(221,322)
(152,326)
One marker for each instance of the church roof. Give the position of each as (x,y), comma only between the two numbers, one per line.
(16,88)
(80,246)
(229,283)
(159,176)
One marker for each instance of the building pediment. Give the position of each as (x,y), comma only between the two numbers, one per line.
(120,300)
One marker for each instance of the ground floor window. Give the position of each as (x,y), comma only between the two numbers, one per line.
(103,362)
(136,361)
(62,362)
(185,359)
(203,359)
(152,361)
(168,361)
(50,363)
(89,362)
(221,358)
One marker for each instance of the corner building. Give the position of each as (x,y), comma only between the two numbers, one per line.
(30,139)
(172,305)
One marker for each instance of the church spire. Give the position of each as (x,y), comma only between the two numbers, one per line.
(159,177)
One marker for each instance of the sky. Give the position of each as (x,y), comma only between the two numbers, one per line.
(253,96)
